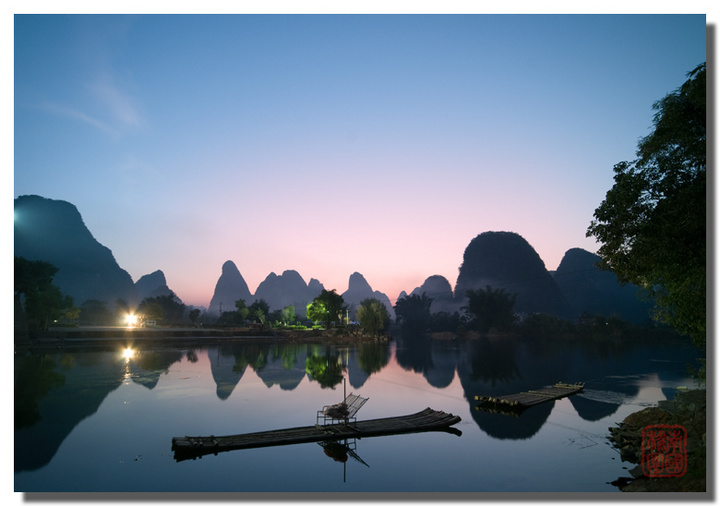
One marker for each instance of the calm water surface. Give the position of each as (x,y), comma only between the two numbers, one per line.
(102,421)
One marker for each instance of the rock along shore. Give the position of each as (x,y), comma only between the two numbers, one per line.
(688,409)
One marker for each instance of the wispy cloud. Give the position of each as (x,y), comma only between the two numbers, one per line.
(121,106)
(71,112)
(105,106)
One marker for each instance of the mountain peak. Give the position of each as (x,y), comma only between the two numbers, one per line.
(358,282)
(230,287)
(53,231)
(505,260)
(359,289)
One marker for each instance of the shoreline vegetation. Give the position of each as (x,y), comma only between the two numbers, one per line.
(112,335)
(60,336)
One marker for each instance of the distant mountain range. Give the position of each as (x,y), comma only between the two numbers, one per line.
(53,231)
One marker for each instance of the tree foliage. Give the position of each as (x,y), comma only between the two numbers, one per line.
(288,315)
(326,307)
(652,223)
(163,307)
(413,311)
(258,311)
(194,314)
(242,310)
(96,312)
(43,301)
(373,316)
(490,309)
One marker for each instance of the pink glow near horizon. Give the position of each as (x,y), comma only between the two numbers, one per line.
(391,269)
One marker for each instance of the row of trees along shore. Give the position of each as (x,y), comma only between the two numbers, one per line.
(651,227)
(488,310)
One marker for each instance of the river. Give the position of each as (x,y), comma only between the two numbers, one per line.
(102,420)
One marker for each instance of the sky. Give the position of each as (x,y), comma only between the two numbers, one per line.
(333,144)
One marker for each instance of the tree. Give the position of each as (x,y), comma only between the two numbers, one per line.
(373,316)
(491,308)
(413,311)
(44,302)
(150,309)
(288,315)
(194,314)
(326,307)
(163,307)
(96,312)
(242,310)
(47,306)
(652,222)
(259,311)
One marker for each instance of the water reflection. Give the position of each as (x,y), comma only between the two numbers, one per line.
(55,391)
(339,451)
(325,367)
(286,365)
(503,366)
(146,367)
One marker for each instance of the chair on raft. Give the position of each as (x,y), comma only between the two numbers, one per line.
(342,412)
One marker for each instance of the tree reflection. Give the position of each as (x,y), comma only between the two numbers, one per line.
(414,351)
(493,361)
(35,376)
(256,357)
(373,357)
(327,369)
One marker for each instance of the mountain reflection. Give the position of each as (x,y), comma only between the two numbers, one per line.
(366,359)
(53,393)
(435,360)
(286,365)
(146,367)
(227,368)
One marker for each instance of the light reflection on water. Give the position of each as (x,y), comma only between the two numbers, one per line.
(103,421)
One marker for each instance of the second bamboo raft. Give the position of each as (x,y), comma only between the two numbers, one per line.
(523,400)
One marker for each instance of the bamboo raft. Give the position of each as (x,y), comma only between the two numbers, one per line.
(516,403)
(425,421)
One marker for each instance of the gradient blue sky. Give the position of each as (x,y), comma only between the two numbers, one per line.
(334,144)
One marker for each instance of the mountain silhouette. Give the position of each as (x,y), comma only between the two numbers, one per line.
(439,290)
(152,285)
(358,290)
(505,260)
(288,289)
(589,289)
(53,231)
(229,288)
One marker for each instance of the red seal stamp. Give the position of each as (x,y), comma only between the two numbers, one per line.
(664,451)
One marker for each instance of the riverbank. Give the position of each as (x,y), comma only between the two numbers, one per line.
(687,409)
(59,337)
